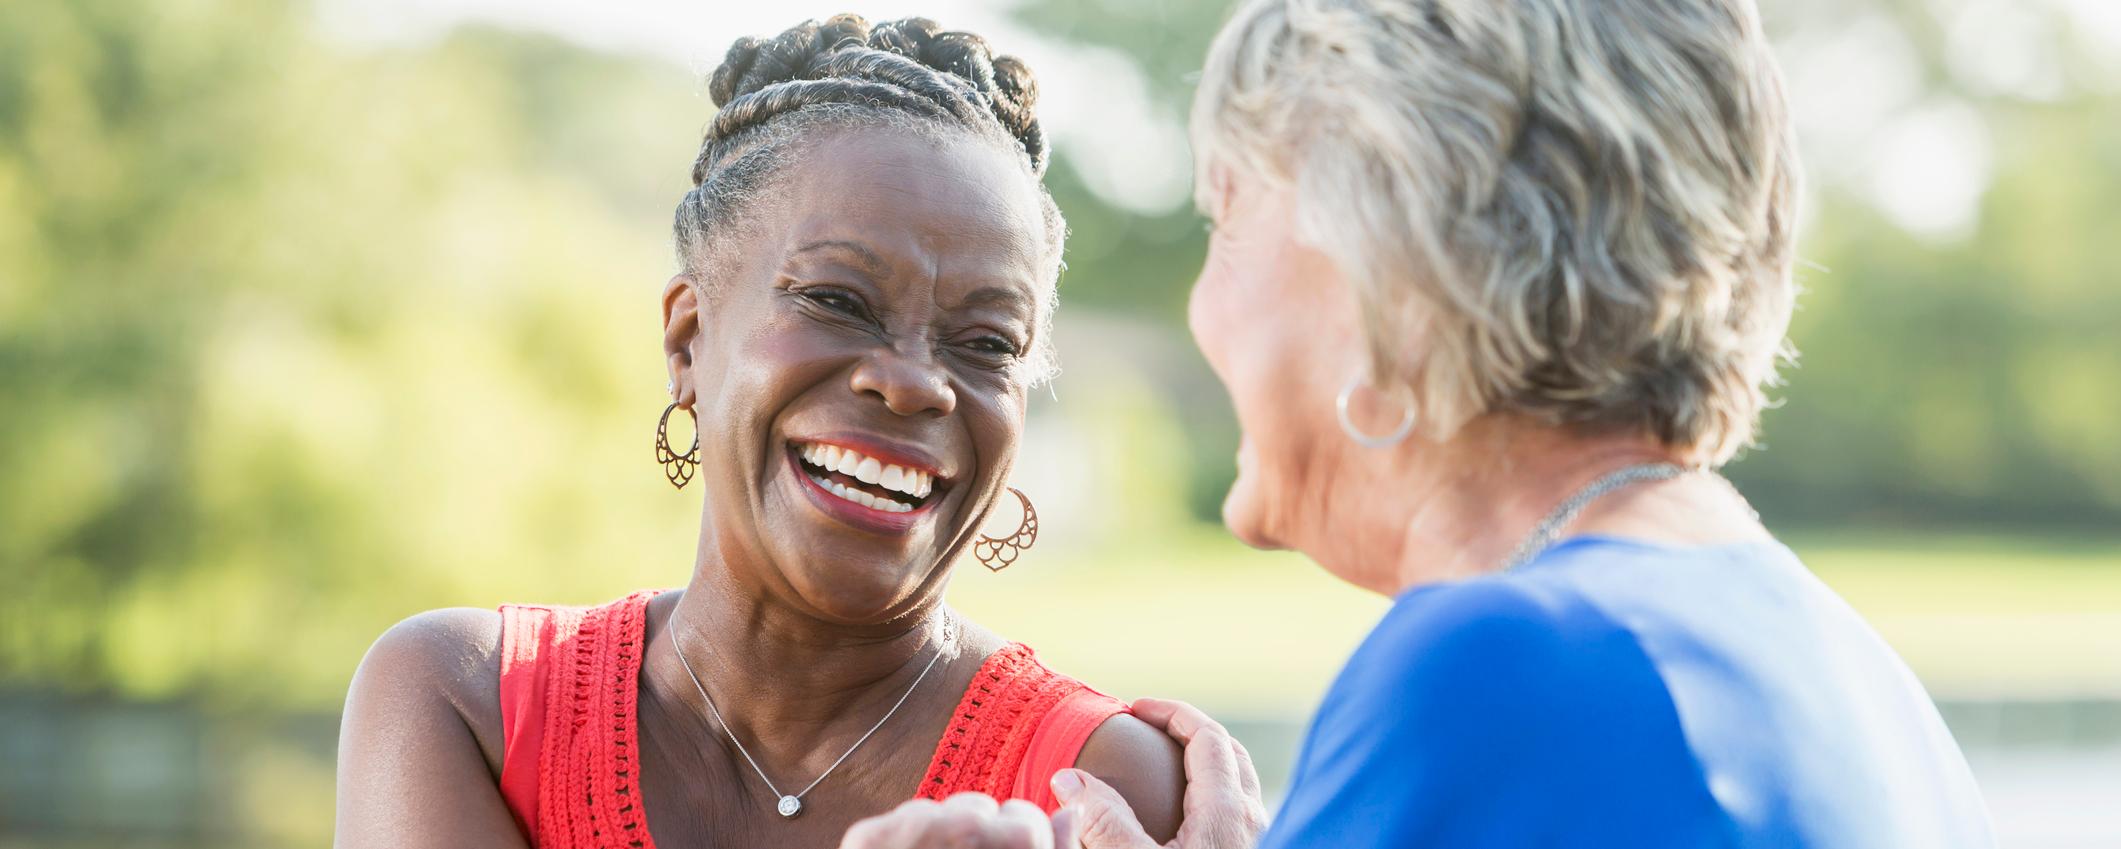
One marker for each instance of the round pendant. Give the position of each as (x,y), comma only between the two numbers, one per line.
(790,806)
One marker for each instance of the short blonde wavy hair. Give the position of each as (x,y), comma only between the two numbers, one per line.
(1578,210)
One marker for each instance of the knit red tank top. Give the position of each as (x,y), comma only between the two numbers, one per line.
(570,682)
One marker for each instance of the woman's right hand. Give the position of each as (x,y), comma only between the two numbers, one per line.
(1223,808)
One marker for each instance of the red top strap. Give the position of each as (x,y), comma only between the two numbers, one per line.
(1018,723)
(570,686)
(569,775)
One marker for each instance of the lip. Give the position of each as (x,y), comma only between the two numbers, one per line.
(864,518)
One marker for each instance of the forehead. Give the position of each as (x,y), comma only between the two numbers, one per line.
(950,204)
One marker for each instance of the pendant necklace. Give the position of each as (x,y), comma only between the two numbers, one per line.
(792,804)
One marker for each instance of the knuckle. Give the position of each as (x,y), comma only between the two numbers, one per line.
(971,801)
(1015,835)
(1020,811)
(867,834)
(955,832)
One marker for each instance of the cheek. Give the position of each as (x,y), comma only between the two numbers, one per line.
(1227,314)
(1248,317)
(994,421)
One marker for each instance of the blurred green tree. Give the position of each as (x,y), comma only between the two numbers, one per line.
(262,294)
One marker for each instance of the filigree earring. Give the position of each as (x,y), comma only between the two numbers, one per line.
(996,553)
(677,467)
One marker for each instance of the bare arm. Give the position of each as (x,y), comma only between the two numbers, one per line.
(411,773)
(1145,765)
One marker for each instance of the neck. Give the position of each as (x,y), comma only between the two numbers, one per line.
(1433,512)
(795,688)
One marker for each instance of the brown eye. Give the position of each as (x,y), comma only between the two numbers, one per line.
(836,301)
(994,345)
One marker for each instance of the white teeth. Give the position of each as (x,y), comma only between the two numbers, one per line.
(913,482)
(909,481)
(866,500)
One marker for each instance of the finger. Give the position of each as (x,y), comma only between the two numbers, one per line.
(1067,829)
(978,804)
(965,820)
(1222,784)
(1178,719)
(1104,818)
(1211,759)
(1248,773)
(899,829)
(1025,826)
(1217,790)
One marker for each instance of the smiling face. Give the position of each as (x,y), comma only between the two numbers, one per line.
(1277,322)
(859,363)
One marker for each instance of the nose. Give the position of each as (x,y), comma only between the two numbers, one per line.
(908,384)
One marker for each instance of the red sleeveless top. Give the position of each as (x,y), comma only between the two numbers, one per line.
(570,683)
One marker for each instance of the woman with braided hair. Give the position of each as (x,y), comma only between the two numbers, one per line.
(867,262)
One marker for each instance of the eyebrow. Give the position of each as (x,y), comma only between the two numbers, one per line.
(868,259)
(994,296)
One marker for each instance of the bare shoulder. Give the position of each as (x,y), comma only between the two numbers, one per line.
(1145,765)
(452,653)
(413,741)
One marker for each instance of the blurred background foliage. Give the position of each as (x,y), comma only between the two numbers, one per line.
(301,333)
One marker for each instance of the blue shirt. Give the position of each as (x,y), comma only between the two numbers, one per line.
(1615,693)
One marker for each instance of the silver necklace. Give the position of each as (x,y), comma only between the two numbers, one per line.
(1543,534)
(790,805)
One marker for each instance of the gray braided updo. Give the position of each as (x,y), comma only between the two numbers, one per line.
(777,94)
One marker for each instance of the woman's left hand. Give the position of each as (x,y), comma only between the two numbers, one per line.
(963,821)
(1223,809)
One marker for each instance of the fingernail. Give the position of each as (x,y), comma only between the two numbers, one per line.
(1066,784)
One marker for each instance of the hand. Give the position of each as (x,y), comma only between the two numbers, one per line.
(1223,809)
(963,821)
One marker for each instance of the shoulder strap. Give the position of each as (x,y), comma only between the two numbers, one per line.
(1059,740)
(527,635)
(570,686)
(1017,724)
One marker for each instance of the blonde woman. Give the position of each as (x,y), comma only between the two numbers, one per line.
(1495,287)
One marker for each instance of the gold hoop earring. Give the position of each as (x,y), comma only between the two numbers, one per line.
(677,467)
(996,553)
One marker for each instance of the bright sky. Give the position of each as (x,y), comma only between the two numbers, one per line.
(1861,109)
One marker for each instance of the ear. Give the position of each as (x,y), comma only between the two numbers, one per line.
(681,325)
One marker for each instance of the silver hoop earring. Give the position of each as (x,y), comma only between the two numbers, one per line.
(1347,425)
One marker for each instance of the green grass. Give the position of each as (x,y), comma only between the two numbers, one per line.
(1199,617)
(1987,616)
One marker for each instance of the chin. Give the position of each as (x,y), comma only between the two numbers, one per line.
(851,592)
(847,560)
(1245,516)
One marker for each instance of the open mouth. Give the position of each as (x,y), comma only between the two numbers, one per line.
(864,480)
